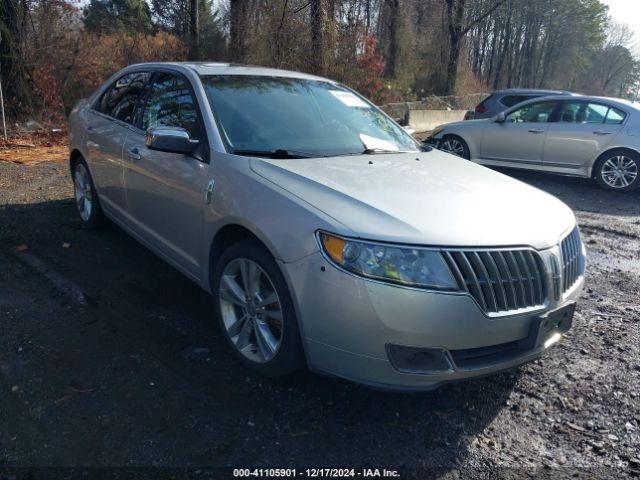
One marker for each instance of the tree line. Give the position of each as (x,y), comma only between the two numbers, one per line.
(55,51)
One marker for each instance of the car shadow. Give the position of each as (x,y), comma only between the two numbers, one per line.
(143,317)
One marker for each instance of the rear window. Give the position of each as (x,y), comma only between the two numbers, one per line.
(511,100)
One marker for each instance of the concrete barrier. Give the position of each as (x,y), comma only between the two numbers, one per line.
(423,120)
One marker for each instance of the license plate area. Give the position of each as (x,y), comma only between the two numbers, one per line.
(544,326)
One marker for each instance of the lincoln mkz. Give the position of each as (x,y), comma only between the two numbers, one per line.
(327,236)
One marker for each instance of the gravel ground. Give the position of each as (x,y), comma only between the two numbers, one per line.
(132,372)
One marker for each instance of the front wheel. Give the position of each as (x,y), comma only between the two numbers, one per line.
(618,171)
(455,146)
(255,310)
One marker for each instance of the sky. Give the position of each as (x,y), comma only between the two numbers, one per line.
(626,11)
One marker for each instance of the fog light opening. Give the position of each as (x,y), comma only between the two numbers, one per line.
(419,359)
(552,339)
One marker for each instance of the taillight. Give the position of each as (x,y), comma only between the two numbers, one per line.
(480,108)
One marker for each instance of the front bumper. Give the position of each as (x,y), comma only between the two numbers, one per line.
(348,323)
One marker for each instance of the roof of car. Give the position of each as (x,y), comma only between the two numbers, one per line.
(516,91)
(621,102)
(217,68)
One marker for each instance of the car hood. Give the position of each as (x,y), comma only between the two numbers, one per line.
(425,198)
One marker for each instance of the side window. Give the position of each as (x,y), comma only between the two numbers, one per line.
(570,112)
(537,112)
(614,116)
(120,100)
(593,113)
(584,112)
(169,102)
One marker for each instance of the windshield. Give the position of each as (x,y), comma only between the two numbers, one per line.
(308,117)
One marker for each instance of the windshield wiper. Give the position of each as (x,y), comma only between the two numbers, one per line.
(374,151)
(278,153)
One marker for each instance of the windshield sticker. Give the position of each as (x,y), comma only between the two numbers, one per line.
(349,99)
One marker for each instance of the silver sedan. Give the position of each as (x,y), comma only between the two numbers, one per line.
(326,235)
(593,137)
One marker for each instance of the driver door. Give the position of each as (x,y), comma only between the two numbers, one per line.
(165,191)
(520,138)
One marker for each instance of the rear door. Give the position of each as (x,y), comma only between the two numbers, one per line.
(520,138)
(584,129)
(166,190)
(105,133)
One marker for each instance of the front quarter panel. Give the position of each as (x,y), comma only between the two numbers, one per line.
(283,222)
(470,131)
(77,121)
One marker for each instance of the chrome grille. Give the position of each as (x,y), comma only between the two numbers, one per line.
(500,281)
(573,260)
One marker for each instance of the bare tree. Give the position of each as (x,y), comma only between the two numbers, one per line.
(391,10)
(194,30)
(317,37)
(456,28)
(616,60)
(238,13)
(15,78)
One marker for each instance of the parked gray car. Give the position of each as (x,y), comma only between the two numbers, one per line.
(593,137)
(500,100)
(326,234)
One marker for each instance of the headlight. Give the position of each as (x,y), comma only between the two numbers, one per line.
(436,131)
(416,267)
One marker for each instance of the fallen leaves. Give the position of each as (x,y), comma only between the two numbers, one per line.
(25,155)
(35,147)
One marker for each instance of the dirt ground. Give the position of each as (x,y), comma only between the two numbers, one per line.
(110,358)
(30,148)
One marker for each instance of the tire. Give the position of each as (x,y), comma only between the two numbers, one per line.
(455,145)
(618,171)
(265,324)
(86,196)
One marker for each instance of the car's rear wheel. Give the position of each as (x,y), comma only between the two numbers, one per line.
(86,196)
(618,170)
(255,310)
(455,146)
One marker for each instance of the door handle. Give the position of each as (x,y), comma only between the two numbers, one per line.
(133,154)
(601,132)
(536,130)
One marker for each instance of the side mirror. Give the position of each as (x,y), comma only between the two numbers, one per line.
(170,139)
(500,118)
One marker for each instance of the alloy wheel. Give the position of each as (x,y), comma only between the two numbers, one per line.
(82,192)
(619,171)
(251,310)
(453,146)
